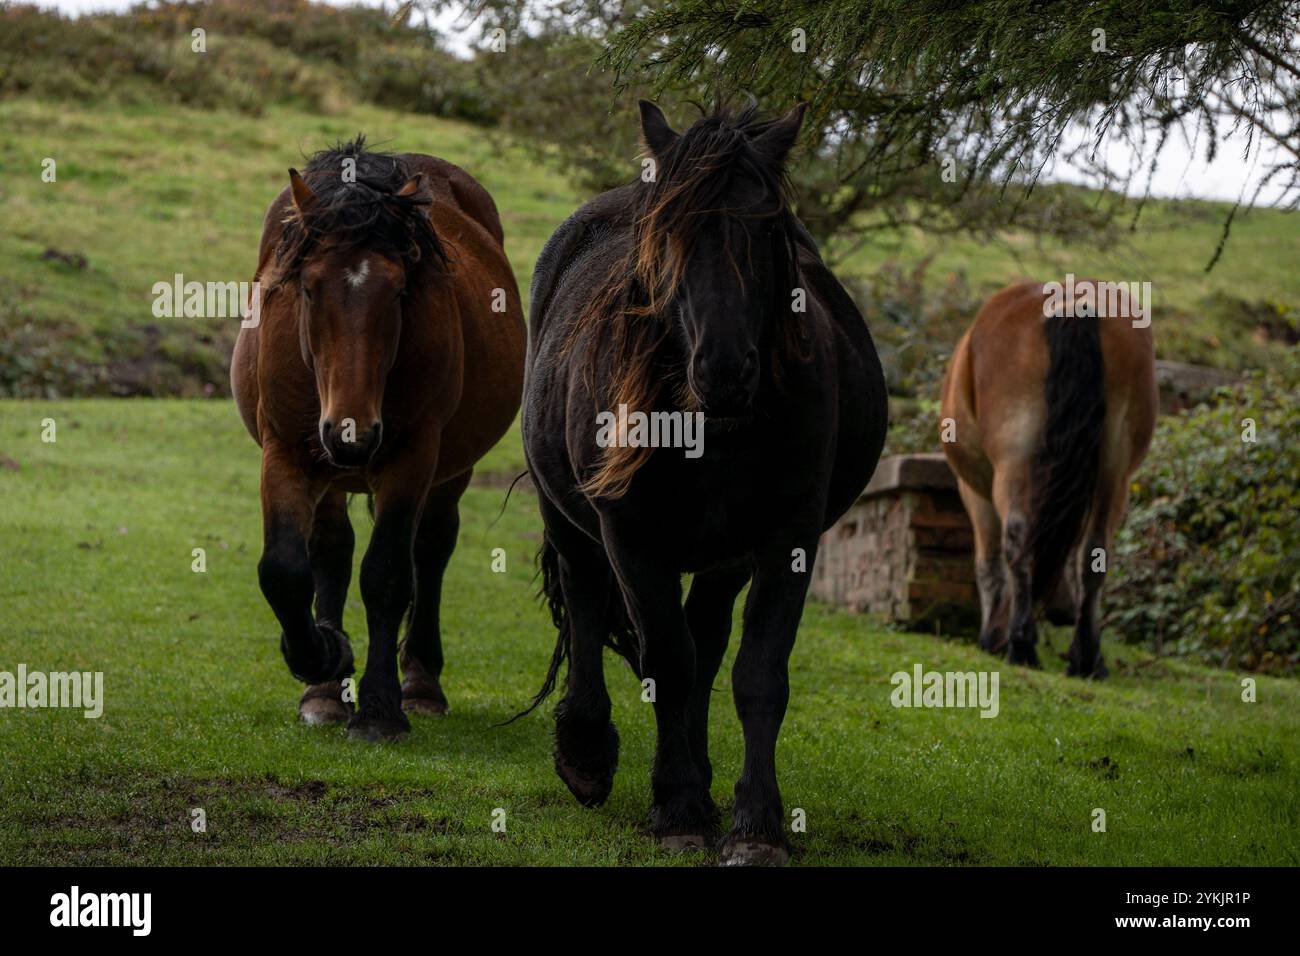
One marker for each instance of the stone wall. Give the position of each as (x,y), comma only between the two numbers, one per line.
(1183,386)
(904,550)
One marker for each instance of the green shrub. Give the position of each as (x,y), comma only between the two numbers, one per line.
(257,52)
(1208,561)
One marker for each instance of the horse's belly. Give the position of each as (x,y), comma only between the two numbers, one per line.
(243,379)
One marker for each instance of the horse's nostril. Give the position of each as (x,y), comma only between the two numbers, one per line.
(326,427)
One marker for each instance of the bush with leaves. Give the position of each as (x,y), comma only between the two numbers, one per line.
(1208,561)
(256,52)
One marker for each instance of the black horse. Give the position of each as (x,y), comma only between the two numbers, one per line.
(695,291)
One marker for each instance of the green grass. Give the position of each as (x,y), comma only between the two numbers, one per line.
(98,530)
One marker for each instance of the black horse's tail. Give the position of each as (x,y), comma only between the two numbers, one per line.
(1068,459)
(620,634)
(548,565)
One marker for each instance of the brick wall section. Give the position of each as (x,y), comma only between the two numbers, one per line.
(904,550)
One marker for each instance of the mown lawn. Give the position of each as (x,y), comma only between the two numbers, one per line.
(96,534)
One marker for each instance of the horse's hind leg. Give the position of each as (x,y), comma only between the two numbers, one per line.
(330,551)
(1085,658)
(1010,493)
(421,650)
(990,574)
(586,743)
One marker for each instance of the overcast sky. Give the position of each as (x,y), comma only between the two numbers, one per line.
(1180,173)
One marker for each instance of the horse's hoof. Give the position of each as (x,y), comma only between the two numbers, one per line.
(429,706)
(335,657)
(423,695)
(753,853)
(1025,655)
(1099,670)
(678,842)
(323,704)
(589,789)
(995,642)
(586,757)
(378,729)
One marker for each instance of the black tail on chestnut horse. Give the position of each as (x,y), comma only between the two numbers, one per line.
(386,358)
(702,396)
(1052,404)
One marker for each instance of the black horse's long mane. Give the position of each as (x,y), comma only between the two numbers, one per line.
(364,214)
(689,190)
(628,321)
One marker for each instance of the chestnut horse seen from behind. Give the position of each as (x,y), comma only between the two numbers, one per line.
(1050,405)
(387,359)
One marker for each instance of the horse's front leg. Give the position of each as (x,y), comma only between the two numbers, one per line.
(387,586)
(761,686)
(682,813)
(315,653)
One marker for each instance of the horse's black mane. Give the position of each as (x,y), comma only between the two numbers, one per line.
(700,163)
(366,214)
(691,183)
(626,325)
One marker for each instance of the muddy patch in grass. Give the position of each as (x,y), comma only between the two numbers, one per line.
(117,815)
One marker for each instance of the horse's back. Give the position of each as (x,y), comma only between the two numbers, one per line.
(449,183)
(600,226)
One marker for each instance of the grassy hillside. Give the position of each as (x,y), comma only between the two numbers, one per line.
(143,194)
(98,530)
(145,191)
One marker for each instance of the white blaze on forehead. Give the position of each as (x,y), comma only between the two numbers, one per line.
(358,275)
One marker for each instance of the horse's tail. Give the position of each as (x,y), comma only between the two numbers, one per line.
(620,635)
(548,565)
(1068,459)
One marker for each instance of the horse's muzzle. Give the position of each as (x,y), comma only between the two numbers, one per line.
(349,446)
(725,390)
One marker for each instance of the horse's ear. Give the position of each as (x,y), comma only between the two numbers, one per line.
(656,132)
(413,186)
(777,140)
(303,197)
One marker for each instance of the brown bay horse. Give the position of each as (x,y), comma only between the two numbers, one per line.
(386,358)
(1048,407)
